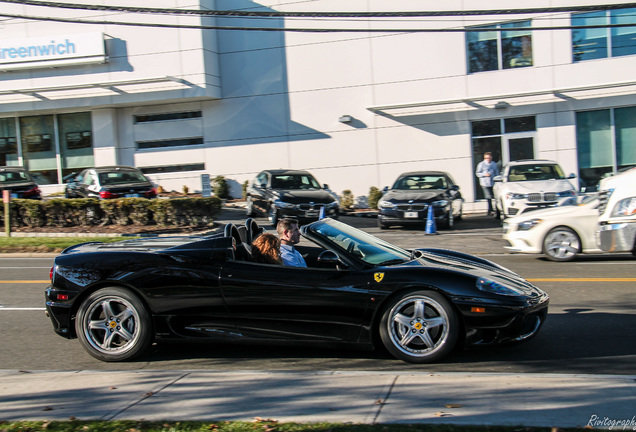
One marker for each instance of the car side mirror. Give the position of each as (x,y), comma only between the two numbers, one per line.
(455,187)
(325,186)
(329,258)
(385,189)
(497,178)
(571,176)
(263,186)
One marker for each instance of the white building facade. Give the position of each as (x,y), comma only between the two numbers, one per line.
(178,97)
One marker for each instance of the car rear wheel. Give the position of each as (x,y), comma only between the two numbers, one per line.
(382,225)
(419,327)
(561,244)
(113,325)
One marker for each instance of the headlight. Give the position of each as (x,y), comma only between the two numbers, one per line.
(625,207)
(283,204)
(529,224)
(440,203)
(386,205)
(511,195)
(492,287)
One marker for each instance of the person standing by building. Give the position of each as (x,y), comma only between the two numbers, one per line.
(486,171)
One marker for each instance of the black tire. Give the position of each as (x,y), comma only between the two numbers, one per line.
(450,219)
(419,327)
(382,225)
(561,244)
(113,325)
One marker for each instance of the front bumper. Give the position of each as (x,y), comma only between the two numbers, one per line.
(521,241)
(310,214)
(516,207)
(400,217)
(618,237)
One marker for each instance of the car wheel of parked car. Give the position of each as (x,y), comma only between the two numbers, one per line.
(450,219)
(382,225)
(419,327)
(561,244)
(273,215)
(112,324)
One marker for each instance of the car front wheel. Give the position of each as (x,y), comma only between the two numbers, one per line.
(114,325)
(561,244)
(419,327)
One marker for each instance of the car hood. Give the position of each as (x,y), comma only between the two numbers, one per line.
(428,195)
(478,267)
(296,196)
(527,187)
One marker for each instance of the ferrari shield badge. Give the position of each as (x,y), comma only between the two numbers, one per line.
(378,277)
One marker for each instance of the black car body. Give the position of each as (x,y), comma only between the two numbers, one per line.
(409,199)
(119,298)
(19,183)
(110,182)
(290,193)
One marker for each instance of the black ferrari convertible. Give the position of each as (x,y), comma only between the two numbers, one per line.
(120,298)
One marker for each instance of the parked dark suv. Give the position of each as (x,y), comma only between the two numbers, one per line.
(19,182)
(110,182)
(290,193)
(413,193)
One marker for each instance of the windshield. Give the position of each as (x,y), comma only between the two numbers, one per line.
(294,181)
(421,181)
(364,246)
(535,172)
(14,177)
(117,177)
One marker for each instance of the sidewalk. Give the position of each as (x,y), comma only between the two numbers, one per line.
(549,400)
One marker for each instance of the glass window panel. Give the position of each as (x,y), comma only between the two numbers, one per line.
(625,126)
(588,44)
(594,147)
(623,38)
(520,124)
(481,146)
(516,46)
(8,143)
(482,51)
(38,148)
(521,148)
(76,142)
(486,127)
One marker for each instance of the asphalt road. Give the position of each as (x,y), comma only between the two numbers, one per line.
(590,329)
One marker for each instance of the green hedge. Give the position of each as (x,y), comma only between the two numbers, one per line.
(125,211)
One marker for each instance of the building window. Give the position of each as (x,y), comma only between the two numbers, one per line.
(40,146)
(169,143)
(605,144)
(507,139)
(172,168)
(595,43)
(167,116)
(504,48)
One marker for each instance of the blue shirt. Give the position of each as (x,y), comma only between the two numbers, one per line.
(291,257)
(484,168)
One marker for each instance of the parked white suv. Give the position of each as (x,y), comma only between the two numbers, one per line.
(617,221)
(527,185)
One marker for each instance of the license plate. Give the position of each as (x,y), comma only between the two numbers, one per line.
(411,215)
(311,213)
(131,196)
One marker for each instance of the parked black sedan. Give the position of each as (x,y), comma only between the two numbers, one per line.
(290,193)
(110,182)
(408,200)
(19,183)
(119,298)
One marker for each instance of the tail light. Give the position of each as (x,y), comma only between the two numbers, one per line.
(107,194)
(34,191)
(151,193)
(51,273)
